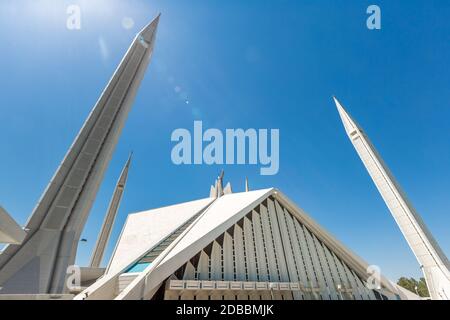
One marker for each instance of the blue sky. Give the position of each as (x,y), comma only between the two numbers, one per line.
(252,64)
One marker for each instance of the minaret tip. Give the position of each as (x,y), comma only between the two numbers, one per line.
(149,31)
(349,124)
(127,164)
(336,101)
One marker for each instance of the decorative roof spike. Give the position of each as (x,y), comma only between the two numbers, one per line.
(213,192)
(228,189)
(218,190)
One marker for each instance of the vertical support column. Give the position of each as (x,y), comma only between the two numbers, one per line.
(325,267)
(203,267)
(228,257)
(252,262)
(216,262)
(271,254)
(306,254)
(241,272)
(318,270)
(260,247)
(276,233)
(297,252)
(189,272)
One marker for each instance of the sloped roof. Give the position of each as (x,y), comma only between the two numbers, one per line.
(221,215)
(143,230)
(217,218)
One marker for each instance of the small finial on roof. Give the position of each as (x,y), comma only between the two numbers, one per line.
(220,184)
(218,190)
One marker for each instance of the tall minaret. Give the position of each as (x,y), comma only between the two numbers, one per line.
(40,264)
(432,259)
(110,217)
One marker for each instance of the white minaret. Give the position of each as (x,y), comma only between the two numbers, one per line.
(110,217)
(40,263)
(432,259)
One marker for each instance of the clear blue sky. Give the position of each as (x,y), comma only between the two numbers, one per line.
(248,64)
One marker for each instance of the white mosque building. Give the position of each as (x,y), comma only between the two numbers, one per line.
(252,245)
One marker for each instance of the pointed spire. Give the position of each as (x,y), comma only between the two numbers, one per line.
(148,33)
(57,221)
(430,256)
(212,192)
(124,174)
(228,189)
(220,184)
(110,217)
(350,125)
(218,190)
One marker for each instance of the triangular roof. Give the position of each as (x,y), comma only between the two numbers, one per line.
(144,230)
(223,213)
(220,216)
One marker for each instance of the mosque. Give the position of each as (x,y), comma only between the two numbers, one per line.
(252,245)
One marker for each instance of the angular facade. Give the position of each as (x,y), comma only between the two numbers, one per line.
(246,246)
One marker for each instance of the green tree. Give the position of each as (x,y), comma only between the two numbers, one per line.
(417,287)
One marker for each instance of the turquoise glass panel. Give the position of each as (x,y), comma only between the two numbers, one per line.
(138,267)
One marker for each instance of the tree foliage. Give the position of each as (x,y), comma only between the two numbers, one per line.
(417,287)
